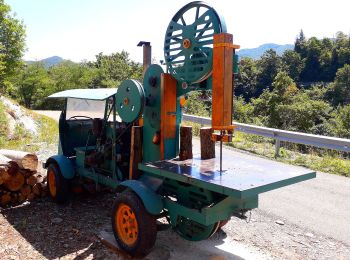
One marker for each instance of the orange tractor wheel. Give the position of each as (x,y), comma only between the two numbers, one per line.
(134,228)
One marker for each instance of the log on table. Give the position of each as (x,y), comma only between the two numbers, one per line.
(207,145)
(185,143)
(27,161)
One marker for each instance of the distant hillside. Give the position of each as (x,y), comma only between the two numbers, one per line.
(51,61)
(256,53)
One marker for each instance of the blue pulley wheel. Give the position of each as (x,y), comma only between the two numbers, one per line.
(189,41)
(130,100)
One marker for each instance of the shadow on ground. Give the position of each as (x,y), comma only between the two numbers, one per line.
(70,230)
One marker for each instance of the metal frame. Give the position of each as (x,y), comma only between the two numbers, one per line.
(334,143)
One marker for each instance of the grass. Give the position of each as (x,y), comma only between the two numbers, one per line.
(313,158)
(24,140)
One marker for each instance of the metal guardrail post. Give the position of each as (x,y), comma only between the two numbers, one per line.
(277,147)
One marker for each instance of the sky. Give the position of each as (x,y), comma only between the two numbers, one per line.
(80,29)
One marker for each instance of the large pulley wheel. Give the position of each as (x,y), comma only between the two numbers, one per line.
(134,228)
(193,231)
(130,100)
(189,41)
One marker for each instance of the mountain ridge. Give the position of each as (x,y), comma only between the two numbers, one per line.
(256,53)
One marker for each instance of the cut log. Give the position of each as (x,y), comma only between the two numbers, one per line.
(27,161)
(7,165)
(21,198)
(32,180)
(14,182)
(5,199)
(27,173)
(38,189)
(207,145)
(185,143)
(31,196)
(26,190)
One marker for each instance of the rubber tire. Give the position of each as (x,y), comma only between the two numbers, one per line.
(62,191)
(147,226)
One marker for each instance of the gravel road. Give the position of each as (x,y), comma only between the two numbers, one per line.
(307,220)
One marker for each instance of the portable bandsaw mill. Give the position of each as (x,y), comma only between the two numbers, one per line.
(128,138)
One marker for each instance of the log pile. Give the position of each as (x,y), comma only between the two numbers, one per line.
(19,179)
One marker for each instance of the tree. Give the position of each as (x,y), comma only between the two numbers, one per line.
(341,87)
(12,44)
(341,125)
(246,79)
(268,67)
(293,64)
(32,84)
(311,71)
(70,75)
(114,68)
(300,44)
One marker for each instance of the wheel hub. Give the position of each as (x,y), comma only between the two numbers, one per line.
(126,224)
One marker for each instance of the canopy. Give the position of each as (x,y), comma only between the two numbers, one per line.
(94,94)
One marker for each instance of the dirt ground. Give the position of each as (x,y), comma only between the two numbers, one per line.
(45,230)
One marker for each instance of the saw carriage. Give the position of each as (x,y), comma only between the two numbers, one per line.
(128,139)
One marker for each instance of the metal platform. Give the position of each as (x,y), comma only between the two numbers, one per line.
(243,175)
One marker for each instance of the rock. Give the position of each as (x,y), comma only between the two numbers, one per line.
(56,220)
(279,222)
(309,235)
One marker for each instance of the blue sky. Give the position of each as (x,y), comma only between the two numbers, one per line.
(80,29)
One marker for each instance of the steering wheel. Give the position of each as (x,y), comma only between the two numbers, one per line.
(76,117)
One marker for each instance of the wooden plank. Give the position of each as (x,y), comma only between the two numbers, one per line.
(135,152)
(222,89)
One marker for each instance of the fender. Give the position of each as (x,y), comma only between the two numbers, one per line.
(64,164)
(152,201)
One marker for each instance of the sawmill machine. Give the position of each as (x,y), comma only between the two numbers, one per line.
(128,139)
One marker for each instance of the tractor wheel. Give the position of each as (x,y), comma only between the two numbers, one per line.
(134,228)
(57,184)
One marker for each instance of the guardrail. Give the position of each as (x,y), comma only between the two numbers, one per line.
(339,144)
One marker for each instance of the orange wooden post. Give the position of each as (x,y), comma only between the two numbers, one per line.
(222,89)
(168,112)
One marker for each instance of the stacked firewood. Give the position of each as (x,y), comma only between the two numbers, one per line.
(19,179)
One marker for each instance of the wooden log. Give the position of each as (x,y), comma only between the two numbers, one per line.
(31,196)
(207,145)
(5,199)
(38,189)
(135,152)
(32,180)
(7,165)
(27,161)
(26,190)
(185,143)
(15,182)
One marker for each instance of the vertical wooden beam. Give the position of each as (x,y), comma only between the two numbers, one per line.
(185,143)
(135,152)
(167,115)
(207,145)
(222,89)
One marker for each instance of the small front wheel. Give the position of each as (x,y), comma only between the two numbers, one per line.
(57,184)
(134,228)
